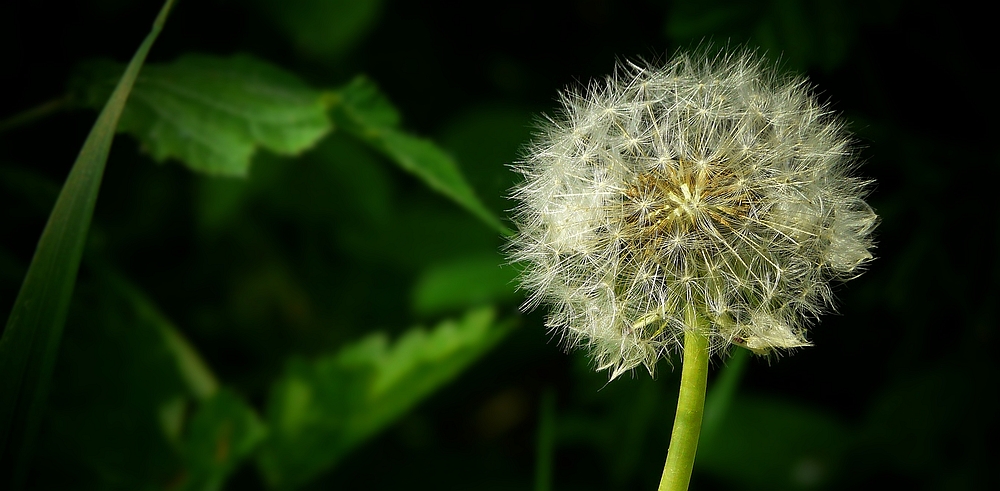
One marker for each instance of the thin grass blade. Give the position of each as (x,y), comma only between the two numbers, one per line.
(30,341)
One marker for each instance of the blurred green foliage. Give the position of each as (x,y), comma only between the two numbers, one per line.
(319,411)
(333,175)
(211,113)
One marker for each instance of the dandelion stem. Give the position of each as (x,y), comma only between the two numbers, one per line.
(690,406)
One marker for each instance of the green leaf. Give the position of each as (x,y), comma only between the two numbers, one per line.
(721,393)
(622,422)
(545,443)
(322,29)
(463,282)
(928,424)
(362,109)
(223,432)
(193,370)
(30,341)
(766,443)
(486,139)
(320,410)
(804,34)
(693,18)
(211,113)
(120,397)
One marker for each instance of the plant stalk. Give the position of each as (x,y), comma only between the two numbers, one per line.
(690,406)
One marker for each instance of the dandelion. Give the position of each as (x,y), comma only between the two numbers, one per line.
(689,207)
(709,191)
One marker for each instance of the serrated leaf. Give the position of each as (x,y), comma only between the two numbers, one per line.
(30,342)
(322,409)
(362,109)
(212,113)
(223,432)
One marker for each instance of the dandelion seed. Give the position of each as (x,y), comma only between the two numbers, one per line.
(713,184)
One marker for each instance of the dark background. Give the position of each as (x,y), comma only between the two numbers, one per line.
(900,388)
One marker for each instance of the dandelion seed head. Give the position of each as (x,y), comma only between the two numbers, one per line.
(712,183)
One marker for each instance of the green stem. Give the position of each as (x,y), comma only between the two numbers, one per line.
(690,406)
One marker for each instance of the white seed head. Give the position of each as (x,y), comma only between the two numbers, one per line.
(714,183)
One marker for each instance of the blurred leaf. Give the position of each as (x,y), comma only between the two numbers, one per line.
(320,410)
(720,394)
(218,201)
(802,34)
(11,269)
(361,109)
(125,381)
(340,181)
(689,19)
(32,192)
(545,443)
(771,444)
(485,139)
(463,282)
(222,433)
(211,113)
(322,29)
(30,341)
(930,424)
(626,423)
(193,370)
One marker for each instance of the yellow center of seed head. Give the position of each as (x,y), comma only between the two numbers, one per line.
(681,199)
(682,212)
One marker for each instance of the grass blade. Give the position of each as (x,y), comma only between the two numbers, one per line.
(30,341)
